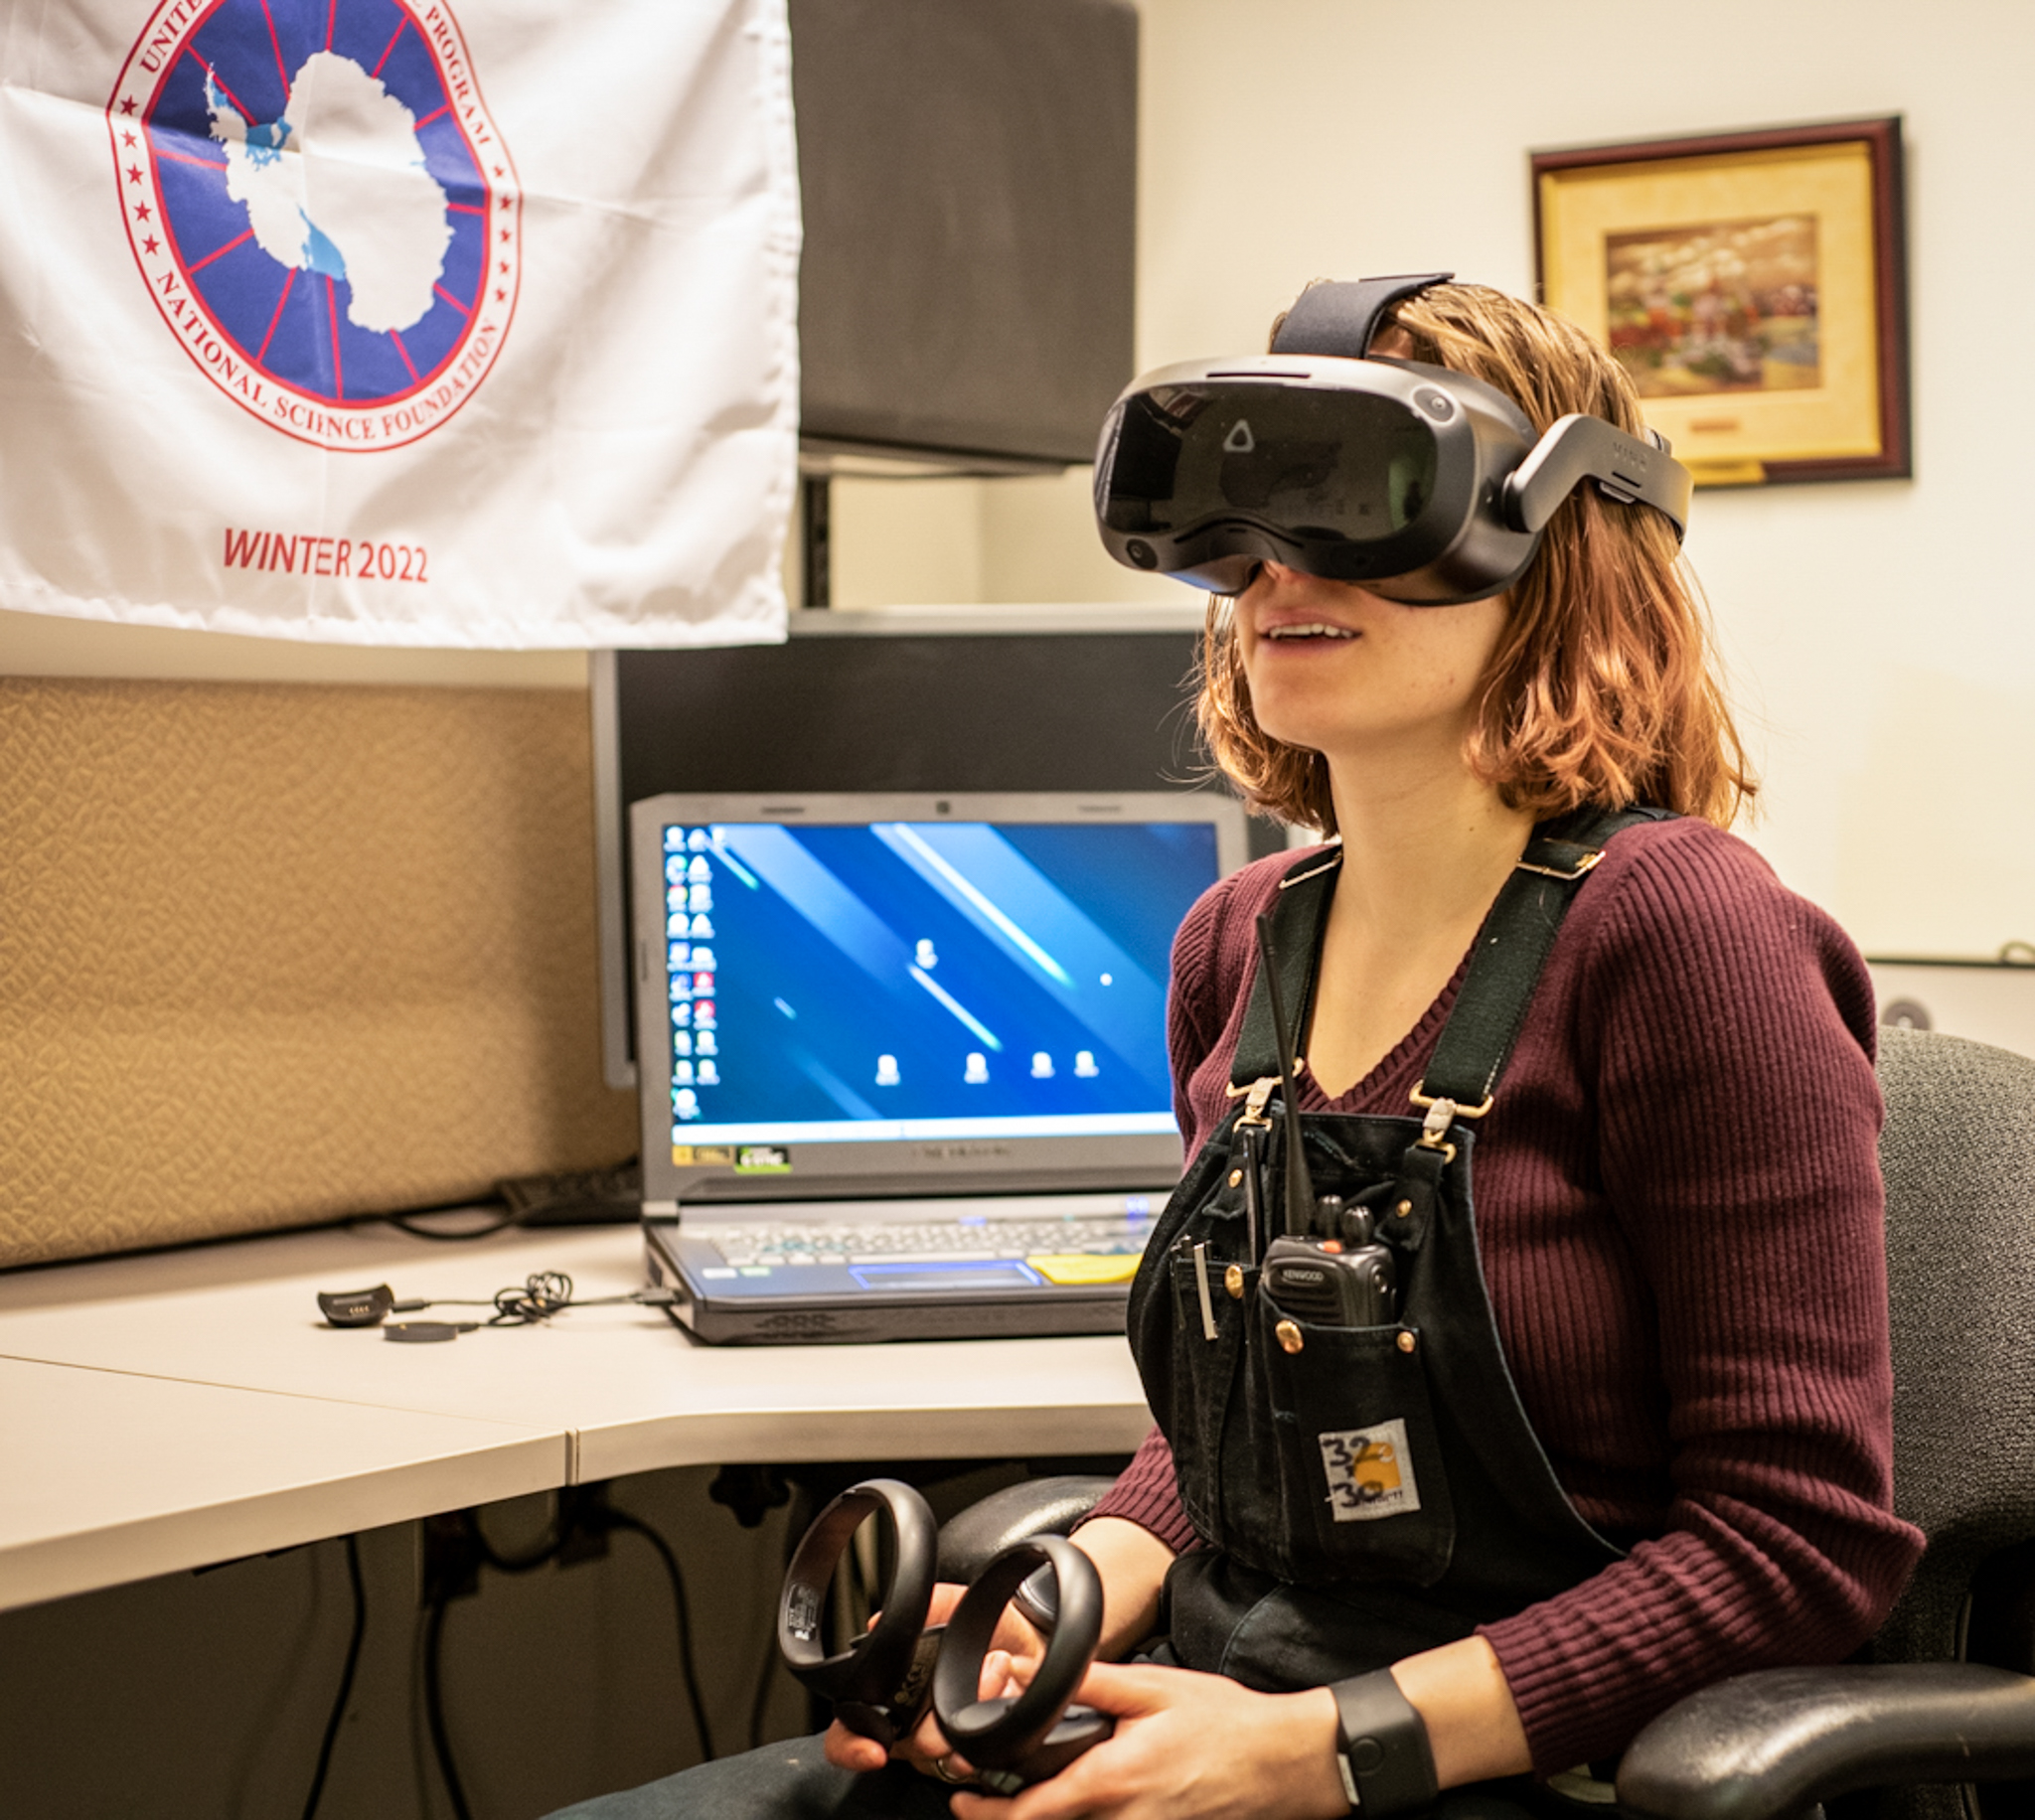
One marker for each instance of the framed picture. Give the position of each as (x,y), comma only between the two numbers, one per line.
(1752,284)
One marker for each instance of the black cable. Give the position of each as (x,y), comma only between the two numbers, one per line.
(434,1707)
(434,1632)
(346,1677)
(689,1672)
(500,1216)
(537,1298)
(571,1516)
(539,1295)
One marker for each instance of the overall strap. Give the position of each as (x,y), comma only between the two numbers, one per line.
(1297,916)
(1511,948)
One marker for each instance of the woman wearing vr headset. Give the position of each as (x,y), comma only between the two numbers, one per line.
(1442,1499)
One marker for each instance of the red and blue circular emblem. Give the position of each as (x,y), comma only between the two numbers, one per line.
(324,213)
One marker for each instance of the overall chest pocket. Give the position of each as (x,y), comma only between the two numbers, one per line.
(1307,1449)
(1349,1453)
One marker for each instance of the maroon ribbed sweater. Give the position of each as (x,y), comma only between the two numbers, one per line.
(1680,1209)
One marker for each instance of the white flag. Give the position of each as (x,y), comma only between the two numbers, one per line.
(399,321)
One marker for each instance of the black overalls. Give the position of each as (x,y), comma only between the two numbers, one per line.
(1367,1491)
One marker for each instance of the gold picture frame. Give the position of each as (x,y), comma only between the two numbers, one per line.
(1751,283)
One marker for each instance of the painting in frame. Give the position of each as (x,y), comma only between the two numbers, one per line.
(1750,284)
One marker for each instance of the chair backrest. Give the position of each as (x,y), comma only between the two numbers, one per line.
(1959,1157)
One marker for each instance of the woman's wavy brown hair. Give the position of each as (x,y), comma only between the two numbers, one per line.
(1603,688)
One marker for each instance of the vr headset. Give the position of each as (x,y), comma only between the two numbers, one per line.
(1426,486)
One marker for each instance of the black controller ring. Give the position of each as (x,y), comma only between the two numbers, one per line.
(872,1682)
(1001,1733)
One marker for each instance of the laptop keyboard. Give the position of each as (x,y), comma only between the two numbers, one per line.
(932,1241)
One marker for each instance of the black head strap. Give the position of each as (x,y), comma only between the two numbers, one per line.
(1341,319)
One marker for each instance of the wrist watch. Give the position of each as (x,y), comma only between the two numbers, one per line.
(1387,1766)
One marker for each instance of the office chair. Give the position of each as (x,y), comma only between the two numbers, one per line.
(1946,1696)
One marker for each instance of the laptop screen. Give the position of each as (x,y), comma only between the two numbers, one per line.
(912,995)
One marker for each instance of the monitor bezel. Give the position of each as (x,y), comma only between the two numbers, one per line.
(890,1166)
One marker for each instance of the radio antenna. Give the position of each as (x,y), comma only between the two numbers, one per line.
(1300,1186)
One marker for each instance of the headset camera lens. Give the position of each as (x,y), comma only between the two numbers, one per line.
(1142,554)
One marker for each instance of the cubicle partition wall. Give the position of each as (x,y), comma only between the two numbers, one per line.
(900,699)
(272,953)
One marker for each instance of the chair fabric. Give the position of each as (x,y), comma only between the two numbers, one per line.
(1959,1156)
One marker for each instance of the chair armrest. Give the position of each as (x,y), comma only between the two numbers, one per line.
(1769,1746)
(1033,1507)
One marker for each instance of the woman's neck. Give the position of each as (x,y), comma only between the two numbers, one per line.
(1420,863)
(1422,849)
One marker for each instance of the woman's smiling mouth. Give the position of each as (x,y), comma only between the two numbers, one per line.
(1312,628)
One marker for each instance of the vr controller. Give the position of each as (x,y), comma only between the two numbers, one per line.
(882,1683)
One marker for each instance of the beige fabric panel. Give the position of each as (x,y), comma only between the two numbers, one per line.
(273,954)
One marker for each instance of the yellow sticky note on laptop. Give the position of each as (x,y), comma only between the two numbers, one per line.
(1080,1267)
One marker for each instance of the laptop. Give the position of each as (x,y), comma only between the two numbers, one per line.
(904,1058)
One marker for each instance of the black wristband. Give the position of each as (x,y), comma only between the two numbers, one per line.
(1387,1766)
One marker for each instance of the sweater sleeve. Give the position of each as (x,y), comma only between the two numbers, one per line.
(1147,1494)
(1726,1029)
(1196,1006)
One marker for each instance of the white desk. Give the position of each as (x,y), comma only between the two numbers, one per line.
(162,1412)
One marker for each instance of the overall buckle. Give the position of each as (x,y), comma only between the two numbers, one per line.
(1254,1097)
(1443,1111)
(1584,863)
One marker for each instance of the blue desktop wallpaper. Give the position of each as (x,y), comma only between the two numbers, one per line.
(922,971)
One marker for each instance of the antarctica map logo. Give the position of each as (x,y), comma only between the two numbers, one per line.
(322,210)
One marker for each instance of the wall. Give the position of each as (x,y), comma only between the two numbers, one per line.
(273,953)
(1882,650)
(1878,641)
